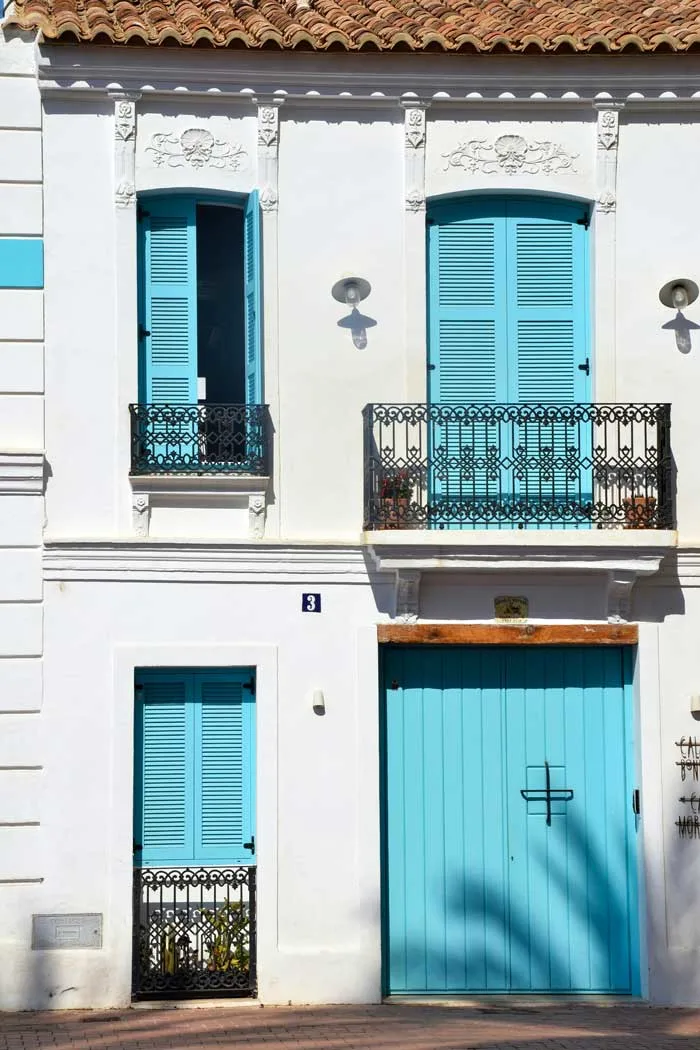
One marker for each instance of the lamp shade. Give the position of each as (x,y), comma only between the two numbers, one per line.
(339,290)
(666,293)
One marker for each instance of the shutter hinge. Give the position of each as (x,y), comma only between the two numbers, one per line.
(138,688)
(250,685)
(141,213)
(585,221)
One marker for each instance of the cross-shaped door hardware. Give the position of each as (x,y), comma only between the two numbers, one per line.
(547,794)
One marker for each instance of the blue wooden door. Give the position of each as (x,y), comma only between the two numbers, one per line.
(493,883)
(508,307)
(194,788)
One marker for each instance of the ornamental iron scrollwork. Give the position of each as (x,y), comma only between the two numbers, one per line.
(519,465)
(194,932)
(199,439)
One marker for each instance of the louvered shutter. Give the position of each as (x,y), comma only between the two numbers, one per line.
(164,788)
(547,340)
(225,756)
(168,328)
(467,363)
(253,300)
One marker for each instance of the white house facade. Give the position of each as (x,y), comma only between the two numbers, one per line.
(349,512)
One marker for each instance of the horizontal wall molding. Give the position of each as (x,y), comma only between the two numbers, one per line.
(22,473)
(21,262)
(201,563)
(507,634)
(664,81)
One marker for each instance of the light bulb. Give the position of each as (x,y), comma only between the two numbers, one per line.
(352,295)
(679,296)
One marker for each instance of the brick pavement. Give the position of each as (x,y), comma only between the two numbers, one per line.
(493,1025)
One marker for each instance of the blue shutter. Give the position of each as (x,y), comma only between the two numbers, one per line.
(547,340)
(253,301)
(467,249)
(194,796)
(169,345)
(225,760)
(164,783)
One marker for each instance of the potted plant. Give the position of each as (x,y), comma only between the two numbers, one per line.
(395,490)
(640,512)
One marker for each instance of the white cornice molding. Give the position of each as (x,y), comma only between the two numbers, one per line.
(166,561)
(22,473)
(373,80)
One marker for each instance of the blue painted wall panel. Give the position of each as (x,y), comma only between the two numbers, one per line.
(21,262)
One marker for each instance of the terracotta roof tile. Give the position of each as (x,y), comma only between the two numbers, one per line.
(448,25)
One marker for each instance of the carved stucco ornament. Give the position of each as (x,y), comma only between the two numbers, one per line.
(268,199)
(415,128)
(607,201)
(125,194)
(196,148)
(511,155)
(415,201)
(125,120)
(268,125)
(608,123)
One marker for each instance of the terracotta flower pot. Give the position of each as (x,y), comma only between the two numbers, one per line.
(393,512)
(639,512)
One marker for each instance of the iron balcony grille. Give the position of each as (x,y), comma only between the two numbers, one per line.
(447,466)
(193,932)
(199,439)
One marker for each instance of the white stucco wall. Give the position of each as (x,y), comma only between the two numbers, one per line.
(115,601)
(22,751)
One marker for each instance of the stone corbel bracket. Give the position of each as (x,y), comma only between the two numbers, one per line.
(407,603)
(620,586)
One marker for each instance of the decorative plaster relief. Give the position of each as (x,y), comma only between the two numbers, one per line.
(125,120)
(511,155)
(268,199)
(268,125)
(257,508)
(141,513)
(620,584)
(125,194)
(608,123)
(415,127)
(415,201)
(198,148)
(607,201)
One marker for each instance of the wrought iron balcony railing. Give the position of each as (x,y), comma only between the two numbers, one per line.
(455,466)
(199,439)
(193,932)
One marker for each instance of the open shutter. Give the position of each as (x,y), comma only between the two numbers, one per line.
(253,301)
(547,341)
(163,828)
(467,359)
(169,326)
(224,730)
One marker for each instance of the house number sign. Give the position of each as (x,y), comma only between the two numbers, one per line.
(311,603)
(510,607)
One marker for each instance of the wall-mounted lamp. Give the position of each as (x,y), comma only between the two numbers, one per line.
(695,707)
(351,291)
(677,295)
(318,702)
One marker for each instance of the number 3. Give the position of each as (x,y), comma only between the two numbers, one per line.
(311,603)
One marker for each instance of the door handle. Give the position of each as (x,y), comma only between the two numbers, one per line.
(636,805)
(250,845)
(585,367)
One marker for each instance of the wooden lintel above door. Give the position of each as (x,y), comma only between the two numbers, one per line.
(507,634)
